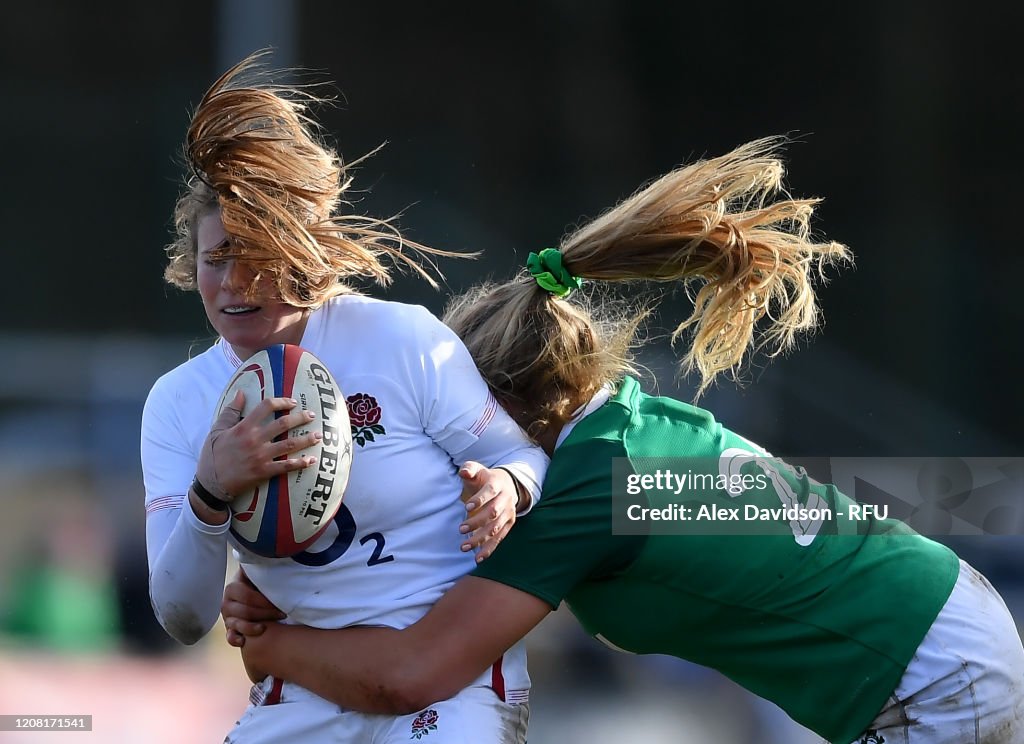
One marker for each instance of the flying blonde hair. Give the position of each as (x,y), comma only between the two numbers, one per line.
(719,226)
(255,153)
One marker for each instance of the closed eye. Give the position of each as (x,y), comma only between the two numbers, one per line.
(214,256)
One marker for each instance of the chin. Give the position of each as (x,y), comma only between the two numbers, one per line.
(238,341)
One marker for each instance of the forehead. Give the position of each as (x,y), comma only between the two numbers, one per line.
(210,232)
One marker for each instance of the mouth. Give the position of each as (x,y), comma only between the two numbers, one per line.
(236,310)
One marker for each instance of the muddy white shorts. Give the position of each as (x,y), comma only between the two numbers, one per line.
(284,713)
(965,684)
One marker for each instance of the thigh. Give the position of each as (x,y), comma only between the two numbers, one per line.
(965,684)
(293,714)
(474,716)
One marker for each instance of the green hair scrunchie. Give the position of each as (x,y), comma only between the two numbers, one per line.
(547,269)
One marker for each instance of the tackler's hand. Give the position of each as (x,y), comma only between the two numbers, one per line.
(246,611)
(258,651)
(492,497)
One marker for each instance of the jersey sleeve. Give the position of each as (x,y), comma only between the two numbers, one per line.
(462,416)
(183,552)
(568,537)
(168,463)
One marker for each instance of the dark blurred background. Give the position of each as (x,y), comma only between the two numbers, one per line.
(505,126)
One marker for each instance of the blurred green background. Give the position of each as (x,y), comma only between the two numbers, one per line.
(506,125)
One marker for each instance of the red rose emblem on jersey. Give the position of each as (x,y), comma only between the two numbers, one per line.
(425,723)
(364,414)
(363,409)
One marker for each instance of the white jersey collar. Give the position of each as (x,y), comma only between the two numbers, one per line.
(229,354)
(309,334)
(599,399)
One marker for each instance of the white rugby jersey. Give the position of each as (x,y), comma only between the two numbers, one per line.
(394,547)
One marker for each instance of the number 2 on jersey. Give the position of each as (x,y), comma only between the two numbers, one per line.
(346,525)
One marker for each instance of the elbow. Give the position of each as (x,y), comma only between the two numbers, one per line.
(413,699)
(183,617)
(407,689)
(181,623)
(185,636)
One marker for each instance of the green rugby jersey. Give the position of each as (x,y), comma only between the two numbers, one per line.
(823,629)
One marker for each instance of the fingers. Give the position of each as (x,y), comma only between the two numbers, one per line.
(268,406)
(231,413)
(492,507)
(237,403)
(489,517)
(243,601)
(488,546)
(275,428)
(262,421)
(243,609)
(248,610)
(244,628)
(489,483)
(265,469)
(287,465)
(484,531)
(469,487)
(472,474)
(295,444)
(258,448)
(289,421)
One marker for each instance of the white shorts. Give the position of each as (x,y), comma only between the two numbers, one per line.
(965,684)
(284,713)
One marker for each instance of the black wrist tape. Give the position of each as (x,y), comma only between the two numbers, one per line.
(208,498)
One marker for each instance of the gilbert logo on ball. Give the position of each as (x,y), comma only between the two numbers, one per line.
(285,515)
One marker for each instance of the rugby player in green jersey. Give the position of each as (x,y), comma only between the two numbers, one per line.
(783,612)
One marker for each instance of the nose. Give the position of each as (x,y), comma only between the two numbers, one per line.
(238,276)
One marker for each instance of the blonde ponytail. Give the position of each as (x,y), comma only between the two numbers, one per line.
(718,226)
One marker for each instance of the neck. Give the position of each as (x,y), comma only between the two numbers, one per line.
(549,438)
(291,335)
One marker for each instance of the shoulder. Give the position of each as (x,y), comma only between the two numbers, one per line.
(659,425)
(381,320)
(174,383)
(630,397)
(374,310)
(654,408)
(582,470)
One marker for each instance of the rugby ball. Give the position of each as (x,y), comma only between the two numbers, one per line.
(286,514)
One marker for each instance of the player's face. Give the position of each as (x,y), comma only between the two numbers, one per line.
(249,321)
